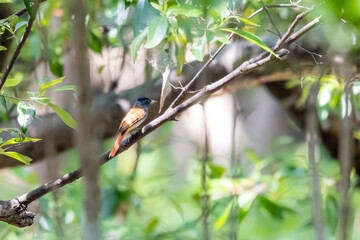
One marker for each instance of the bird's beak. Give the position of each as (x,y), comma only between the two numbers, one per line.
(153,101)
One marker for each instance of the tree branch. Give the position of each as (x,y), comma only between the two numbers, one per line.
(10,208)
(17,52)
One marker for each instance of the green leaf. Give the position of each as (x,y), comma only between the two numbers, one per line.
(271,207)
(94,42)
(12,82)
(242,19)
(250,154)
(276,210)
(11,98)
(151,225)
(216,171)
(20,25)
(13,20)
(14,132)
(26,114)
(101,69)
(2,48)
(198,48)
(180,50)
(157,6)
(357,135)
(250,37)
(31,7)
(19,140)
(157,31)
(332,211)
(64,88)
(55,64)
(3,101)
(46,85)
(185,10)
(217,35)
(224,216)
(66,117)
(18,156)
(6,1)
(136,43)
(42,100)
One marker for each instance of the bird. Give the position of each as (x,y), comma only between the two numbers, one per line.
(133,118)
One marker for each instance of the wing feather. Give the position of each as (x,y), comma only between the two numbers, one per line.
(135,115)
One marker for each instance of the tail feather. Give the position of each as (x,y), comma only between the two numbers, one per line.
(116,145)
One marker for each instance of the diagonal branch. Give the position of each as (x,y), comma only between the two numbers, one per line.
(17,52)
(191,82)
(19,209)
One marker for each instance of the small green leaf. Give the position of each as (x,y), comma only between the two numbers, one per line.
(242,19)
(157,31)
(332,211)
(357,135)
(135,45)
(14,132)
(3,101)
(101,69)
(26,114)
(185,10)
(224,216)
(216,171)
(31,7)
(11,98)
(151,225)
(250,154)
(55,64)
(19,140)
(12,82)
(64,88)
(66,117)
(271,207)
(18,156)
(157,6)
(13,20)
(20,25)
(250,37)
(6,1)
(217,35)
(198,48)
(46,85)
(180,50)
(94,42)
(2,48)
(42,100)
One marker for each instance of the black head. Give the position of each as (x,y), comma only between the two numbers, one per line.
(144,102)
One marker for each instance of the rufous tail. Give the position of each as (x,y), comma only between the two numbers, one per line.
(116,145)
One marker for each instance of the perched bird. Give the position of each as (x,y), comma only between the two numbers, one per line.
(136,115)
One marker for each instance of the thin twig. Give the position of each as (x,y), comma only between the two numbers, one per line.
(17,52)
(205,200)
(312,138)
(283,5)
(270,18)
(346,156)
(291,28)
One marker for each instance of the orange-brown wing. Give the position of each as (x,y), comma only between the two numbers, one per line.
(135,115)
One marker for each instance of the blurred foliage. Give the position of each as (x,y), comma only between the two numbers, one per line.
(143,197)
(156,203)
